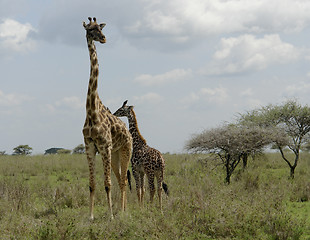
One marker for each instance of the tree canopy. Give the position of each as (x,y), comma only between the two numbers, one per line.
(22,150)
(63,151)
(290,118)
(79,149)
(232,143)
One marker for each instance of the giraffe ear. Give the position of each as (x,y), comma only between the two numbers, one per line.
(124,104)
(101,25)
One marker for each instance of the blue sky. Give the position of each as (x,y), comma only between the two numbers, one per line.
(184,65)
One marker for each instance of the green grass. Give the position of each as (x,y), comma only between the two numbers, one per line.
(301,210)
(47,197)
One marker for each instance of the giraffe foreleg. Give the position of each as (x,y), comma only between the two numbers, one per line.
(91,154)
(136,176)
(106,160)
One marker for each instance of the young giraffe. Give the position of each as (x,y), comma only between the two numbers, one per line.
(103,132)
(145,160)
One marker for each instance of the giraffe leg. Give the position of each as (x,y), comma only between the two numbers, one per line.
(125,155)
(151,186)
(142,187)
(137,180)
(106,159)
(91,154)
(116,167)
(115,163)
(159,190)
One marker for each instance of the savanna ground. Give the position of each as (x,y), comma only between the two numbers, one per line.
(47,197)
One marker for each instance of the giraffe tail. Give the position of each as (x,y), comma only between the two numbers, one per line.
(129,178)
(165,187)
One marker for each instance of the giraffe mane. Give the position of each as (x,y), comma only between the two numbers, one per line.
(136,123)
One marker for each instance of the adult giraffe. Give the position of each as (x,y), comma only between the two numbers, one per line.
(103,132)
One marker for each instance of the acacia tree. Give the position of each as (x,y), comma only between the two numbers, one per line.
(79,149)
(231,143)
(292,119)
(63,151)
(22,150)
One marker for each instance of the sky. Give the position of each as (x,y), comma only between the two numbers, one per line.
(186,65)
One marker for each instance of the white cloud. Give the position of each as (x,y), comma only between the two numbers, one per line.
(160,79)
(170,24)
(12,99)
(151,97)
(217,95)
(49,108)
(297,88)
(15,36)
(182,18)
(72,102)
(254,103)
(249,103)
(247,92)
(246,53)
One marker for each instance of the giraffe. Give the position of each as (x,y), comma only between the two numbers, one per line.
(103,132)
(145,160)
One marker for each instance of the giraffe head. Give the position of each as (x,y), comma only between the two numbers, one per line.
(123,111)
(93,30)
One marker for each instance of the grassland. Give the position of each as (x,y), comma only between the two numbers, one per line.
(46,197)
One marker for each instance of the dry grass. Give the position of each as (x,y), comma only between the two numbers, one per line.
(46,197)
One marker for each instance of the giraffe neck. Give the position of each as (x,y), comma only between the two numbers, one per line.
(92,103)
(134,130)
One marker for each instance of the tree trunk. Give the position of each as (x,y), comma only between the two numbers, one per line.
(228,171)
(292,172)
(227,179)
(292,167)
(245,160)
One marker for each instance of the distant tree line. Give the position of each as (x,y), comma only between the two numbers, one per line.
(79,149)
(284,127)
(27,150)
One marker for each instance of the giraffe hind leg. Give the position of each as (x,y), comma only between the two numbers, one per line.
(129,179)
(115,163)
(125,155)
(142,187)
(159,190)
(151,186)
(105,152)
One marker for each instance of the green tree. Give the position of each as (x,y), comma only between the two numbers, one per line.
(292,119)
(63,151)
(231,144)
(79,149)
(22,150)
